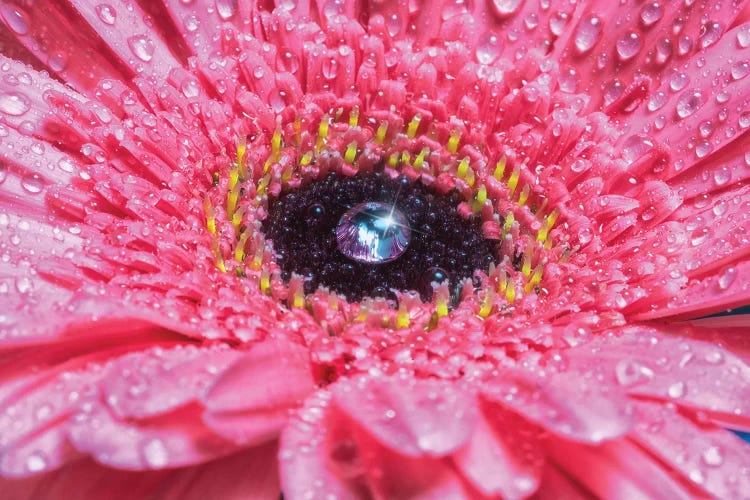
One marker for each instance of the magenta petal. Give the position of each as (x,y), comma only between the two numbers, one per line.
(249,475)
(573,404)
(503,456)
(251,400)
(696,451)
(414,417)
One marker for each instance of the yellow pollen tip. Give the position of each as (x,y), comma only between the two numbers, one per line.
(510,292)
(508,224)
(500,169)
(402,317)
(351,153)
(524,195)
(276,144)
(239,250)
(237,218)
(441,302)
(536,277)
(453,141)
(380,133)
(323,132)
(241,164)
(210,216)
(405,157)
(306,159)
(232,197)
(354,117)
(257,262)
(463,168)
(393,160)
(411,130)
(513,180)
(265,281)
(502,282)
(420,158)
(486,306)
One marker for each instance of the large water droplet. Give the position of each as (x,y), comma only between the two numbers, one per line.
(587,34)
(628,46)
(743,37)
(664,51)
(15,18)
(651,13)
(142,47)
(676,390)
(727,278)
(505,8)
(710,34)
(373,233)
(740,70)
(689,102)
(489,48)
(155,453)
(226,8)
(106,13)
(32,184)
(36,462)
(14,103)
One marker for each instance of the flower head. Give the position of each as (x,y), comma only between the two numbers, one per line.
(374,249)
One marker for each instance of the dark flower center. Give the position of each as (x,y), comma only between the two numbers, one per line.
(369,235)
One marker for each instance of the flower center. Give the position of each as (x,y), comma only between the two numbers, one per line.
(373,233)
(370,235)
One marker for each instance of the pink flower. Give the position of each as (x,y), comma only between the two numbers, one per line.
(152,344)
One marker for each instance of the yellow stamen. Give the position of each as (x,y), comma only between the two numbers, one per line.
(232,197)
(241,150)
(380,134)
(405,157)
(237,218)
(257,262)
(402,317)
(306,159)
(441,302)
(210,216)
(524,195)
(420,158)
(322,132)
(239,250)
(510,292)
(276,144)
(463,168)
(526,265)
(393,160)
(508,224)
(502,282)
(411,130)
(351,153)
(513,181)
(500,168)
(354,117)
(486,306)
(535,279)
(265,281)
(453,141)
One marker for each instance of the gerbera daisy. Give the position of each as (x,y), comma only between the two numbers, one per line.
(374,249)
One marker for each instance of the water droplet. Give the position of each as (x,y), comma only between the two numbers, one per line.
(506,8)
(155,453)
(142,46)
(689,103)
(727,278)
(703,148)
(740,70)
(14,103)
(588,33)
(656,101)
(36,462)
(710,34)
(651,13)
(32,184)
(226,8)
(684,45)
(430,276)
(557,23)
(628,46)
(489,48)
(373,233)
(106,13)
(330,68)
(743,37)
(712,456)
(58,61)
(629,372)
(15,18)
(663,51)
(722,176)
(192,23)
(676,390)
(678,81)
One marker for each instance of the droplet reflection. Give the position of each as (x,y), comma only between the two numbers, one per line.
(373,233)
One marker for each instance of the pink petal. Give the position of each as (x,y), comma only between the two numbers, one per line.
(149,383)
(573,404)
(251,400)
(690,373)
(702,90)
(714,459)
(414,417)
(325,455)
(618,469)
(250,474)
(503,456)
(173,440)
(52,35)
